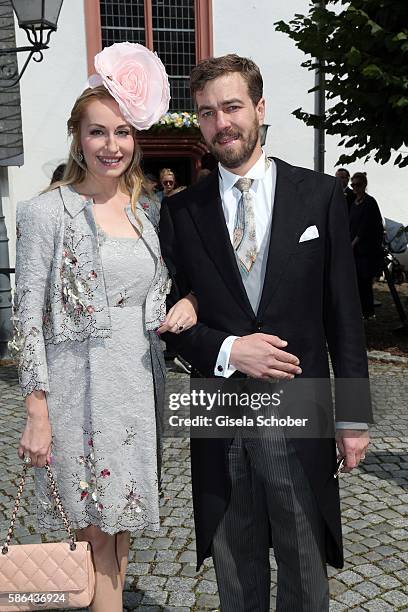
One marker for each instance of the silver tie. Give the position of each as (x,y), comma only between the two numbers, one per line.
(244,237)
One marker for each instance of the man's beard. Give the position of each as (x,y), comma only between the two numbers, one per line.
(233,157)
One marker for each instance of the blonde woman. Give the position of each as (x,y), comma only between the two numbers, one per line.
(90,295)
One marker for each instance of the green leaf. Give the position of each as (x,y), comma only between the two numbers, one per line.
(353,56)
(372,71)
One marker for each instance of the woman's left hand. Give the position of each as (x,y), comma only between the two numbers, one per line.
(181,316)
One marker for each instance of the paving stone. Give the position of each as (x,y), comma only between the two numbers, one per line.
(378,605)
(207,602)
(138,569)
(386,581)
(167,569)
(368,589)
(161,573)
(351,598)
(188,556)
(154,598)
(180,598)
(207,586)
(132,599)
(166,555)
(349,577)
(396,598)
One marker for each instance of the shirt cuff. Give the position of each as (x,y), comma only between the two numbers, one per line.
(351,425)
(222,366)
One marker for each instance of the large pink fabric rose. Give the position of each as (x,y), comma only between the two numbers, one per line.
(137,79)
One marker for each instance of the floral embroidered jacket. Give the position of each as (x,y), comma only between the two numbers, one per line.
(60,293)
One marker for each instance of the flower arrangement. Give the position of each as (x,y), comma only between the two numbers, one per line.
(178,120)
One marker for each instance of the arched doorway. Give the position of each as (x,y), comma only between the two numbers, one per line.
(181,153)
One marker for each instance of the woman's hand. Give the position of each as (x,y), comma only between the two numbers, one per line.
(35,442)
(181,316)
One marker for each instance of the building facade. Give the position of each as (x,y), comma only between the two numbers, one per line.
(182,32)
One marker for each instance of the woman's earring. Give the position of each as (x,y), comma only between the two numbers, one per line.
(80,156)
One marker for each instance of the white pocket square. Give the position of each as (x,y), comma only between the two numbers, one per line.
(310,233)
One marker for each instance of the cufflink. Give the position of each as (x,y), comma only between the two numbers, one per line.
(220,368)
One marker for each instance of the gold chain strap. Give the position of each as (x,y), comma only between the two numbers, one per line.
(58,503)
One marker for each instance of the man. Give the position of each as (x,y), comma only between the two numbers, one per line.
(270,262)
(344,175)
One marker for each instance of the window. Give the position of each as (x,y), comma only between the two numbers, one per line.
(122,20)
(179,30)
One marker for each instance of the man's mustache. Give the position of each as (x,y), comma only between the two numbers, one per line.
(225,135)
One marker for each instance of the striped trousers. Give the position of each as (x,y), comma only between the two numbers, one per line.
(270,495)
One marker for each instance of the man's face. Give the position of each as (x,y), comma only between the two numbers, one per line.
(344,177)
(229,120)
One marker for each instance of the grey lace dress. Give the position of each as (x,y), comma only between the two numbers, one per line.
(102,410)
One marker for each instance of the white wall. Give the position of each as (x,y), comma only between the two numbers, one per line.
(246,27)
(48,90)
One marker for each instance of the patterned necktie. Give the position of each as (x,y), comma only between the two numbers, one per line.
(244,237)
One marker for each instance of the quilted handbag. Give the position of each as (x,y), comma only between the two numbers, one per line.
(45,576)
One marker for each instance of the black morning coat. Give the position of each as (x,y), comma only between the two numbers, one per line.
(309,298)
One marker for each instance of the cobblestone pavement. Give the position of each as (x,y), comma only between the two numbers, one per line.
(161,574)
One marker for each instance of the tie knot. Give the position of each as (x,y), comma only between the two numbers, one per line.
(243,184)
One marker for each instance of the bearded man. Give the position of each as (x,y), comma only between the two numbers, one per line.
(265,248)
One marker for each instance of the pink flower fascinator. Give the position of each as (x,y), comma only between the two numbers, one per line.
(137,80)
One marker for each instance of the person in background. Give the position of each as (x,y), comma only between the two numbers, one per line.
(204,172)
(58,173)
(344,175)
(148,198)
(90,300)
(167,180)
(150,183)
(366,232)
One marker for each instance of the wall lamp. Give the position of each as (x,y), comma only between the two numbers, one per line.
(38,18)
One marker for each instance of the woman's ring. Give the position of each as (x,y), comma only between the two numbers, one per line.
(27,460)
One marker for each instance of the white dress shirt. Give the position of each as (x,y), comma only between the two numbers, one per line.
(262,191)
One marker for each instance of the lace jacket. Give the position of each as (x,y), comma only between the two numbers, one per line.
(60,293)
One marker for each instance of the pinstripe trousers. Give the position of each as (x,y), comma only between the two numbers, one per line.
(270,495)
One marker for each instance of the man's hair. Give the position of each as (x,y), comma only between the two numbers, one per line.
(214,67)
(344,170)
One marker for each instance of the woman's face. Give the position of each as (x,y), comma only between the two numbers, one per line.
(357,185)
(168,183)
(106,139)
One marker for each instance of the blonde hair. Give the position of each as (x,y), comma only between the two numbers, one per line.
(75,170)
(165,171)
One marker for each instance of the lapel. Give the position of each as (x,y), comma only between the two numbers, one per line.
(287,220)
(73,202)
(208,216)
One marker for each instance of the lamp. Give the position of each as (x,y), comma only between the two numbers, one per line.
(38,19)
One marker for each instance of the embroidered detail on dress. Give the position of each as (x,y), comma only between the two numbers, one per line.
(122,300)
(77,293)
(88,489)
(134,503)
(131,434)
(26,347)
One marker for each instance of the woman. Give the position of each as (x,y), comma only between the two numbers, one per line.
(90,295)
(168,183)
(366,230)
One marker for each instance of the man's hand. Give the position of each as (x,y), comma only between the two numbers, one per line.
(352,444)
(262,356)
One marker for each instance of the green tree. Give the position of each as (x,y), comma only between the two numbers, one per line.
(364,47)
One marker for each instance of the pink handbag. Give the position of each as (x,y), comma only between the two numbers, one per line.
(45,576)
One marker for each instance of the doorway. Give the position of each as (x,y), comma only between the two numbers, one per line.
(183,168)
